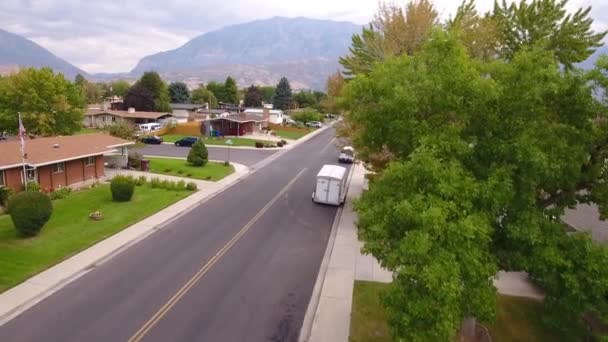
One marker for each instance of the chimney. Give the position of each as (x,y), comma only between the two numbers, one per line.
(266,113)
(131,110)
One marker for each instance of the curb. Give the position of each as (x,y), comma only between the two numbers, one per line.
(23,305)
(315,297)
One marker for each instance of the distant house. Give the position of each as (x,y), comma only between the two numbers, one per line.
(98,118)
(275,116)
(236,124)
(56,162)
(187,111)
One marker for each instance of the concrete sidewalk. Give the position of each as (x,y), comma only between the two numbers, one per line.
(33,290)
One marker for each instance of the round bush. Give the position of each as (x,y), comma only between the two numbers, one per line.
(29,212)
(191,186)
(122,188)
(198,155)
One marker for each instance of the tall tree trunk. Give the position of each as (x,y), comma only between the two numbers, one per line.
(467,330)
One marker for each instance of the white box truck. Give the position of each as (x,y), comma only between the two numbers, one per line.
(330,187)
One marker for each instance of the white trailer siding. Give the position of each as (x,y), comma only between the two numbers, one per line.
(330,187)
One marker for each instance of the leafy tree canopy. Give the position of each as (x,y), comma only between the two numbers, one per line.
(282,96)
(119,88)
(152,82)
(140,98)
(547,22)
(179,93)
(253,97)
(202,95)
(231,91)
(49,104)
(474,162)
(267,93)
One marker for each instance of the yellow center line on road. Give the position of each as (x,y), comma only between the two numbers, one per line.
(184,289)
(328,145)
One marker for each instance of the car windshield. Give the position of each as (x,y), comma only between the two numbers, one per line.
(348,151)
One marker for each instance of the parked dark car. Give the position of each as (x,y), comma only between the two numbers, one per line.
(187,141)
(152,139)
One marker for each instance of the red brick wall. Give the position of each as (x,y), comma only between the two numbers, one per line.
(44,178)
(12,177)
(99,166)
(74,171)
(58,179)
(89,171)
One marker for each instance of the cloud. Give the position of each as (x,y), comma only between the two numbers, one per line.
(112,36)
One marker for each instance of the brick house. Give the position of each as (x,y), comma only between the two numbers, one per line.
(56,162)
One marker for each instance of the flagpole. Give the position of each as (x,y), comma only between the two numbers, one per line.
(21,138)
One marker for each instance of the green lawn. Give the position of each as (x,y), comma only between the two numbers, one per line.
(293,135)
(216,141)
(70,230)
(179,167)
(368,321)
(518,319)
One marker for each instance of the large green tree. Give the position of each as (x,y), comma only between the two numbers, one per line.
(151,80)
(179,93)
(267,93)
(253,97)
(282,96)
(393,32)
(547,22)
(49,104)
(202,95)
(140,98)
(218,90)
(119,88)
(475,160)
(231,91)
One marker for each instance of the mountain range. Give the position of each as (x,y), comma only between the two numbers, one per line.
(17,51)
(304,50)
(260,52)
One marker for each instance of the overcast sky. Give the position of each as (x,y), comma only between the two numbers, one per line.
(112,36)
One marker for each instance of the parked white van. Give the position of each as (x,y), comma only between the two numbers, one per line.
(330,187)
(149,127)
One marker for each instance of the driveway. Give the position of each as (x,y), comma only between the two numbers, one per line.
(246,157)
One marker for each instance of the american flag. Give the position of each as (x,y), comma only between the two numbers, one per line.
(21,136)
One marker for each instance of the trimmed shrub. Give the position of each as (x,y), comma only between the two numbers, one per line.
(167,170)
(29,211)
(191,186)
(180,171)
(60,193)
(33,186)
(198,155)
(167,184)
(181,185)
(188,175)
(122,188)
(226,163)
(280,144)
(259,144)
(284,142)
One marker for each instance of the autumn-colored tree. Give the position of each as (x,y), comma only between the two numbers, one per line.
(479,34)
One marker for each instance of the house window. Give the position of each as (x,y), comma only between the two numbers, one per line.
(89,161)
(2,180)
(58,168)
(113,119)
(30,174)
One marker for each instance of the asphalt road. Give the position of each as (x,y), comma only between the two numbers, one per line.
(240,267)
(242,156)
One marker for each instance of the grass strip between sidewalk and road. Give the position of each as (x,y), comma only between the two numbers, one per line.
(70,230)
(517,318)
(212,171)
(293,135)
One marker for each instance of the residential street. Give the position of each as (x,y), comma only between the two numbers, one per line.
(246,157)
(240,267)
